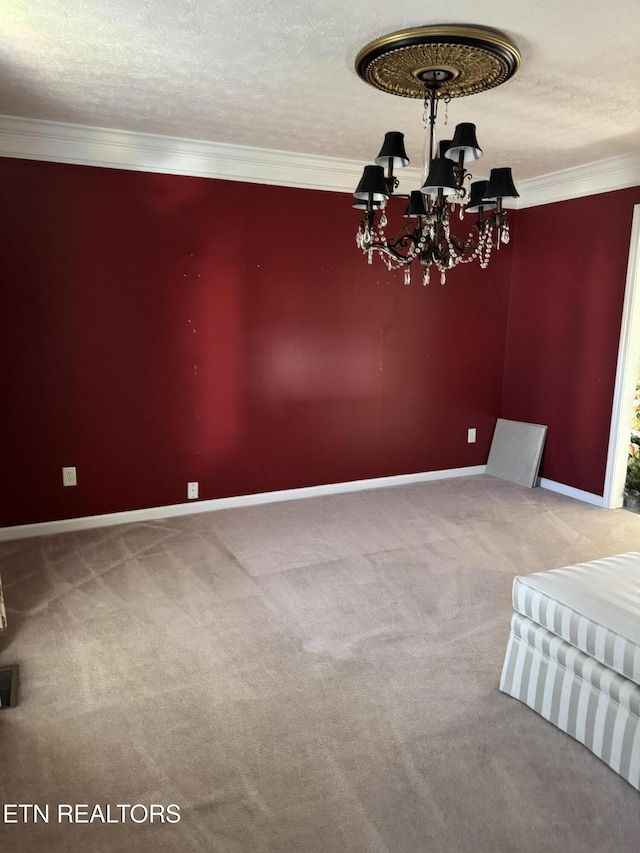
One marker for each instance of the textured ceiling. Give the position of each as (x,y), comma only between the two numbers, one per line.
(279,74)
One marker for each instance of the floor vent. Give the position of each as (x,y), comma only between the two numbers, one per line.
(9,686)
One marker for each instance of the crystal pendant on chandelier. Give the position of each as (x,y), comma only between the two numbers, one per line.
(435,63)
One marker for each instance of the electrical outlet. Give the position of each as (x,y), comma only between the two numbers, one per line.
(69,476)
(192,491)
(471,435)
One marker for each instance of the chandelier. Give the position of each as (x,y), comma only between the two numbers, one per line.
(436,64)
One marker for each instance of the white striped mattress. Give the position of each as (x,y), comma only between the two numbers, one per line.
(593,606)
(590,702)
(3,615)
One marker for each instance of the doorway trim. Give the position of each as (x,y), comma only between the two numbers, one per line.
(626,373)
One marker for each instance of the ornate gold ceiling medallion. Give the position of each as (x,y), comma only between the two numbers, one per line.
(450,60)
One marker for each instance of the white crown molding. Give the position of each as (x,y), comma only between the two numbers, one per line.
(46,528)
(58,142)
(31,139)
(616,173)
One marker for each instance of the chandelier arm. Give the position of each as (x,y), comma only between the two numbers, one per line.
(384,248)
(390,248)
(401,234)
(410,237)
(464,246)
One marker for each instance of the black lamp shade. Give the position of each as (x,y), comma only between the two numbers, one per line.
(501,185)
(464,139)
(372,184)
(476,198)
(443,146)
(359,204)
(440,177)
(416,206)
(393,149)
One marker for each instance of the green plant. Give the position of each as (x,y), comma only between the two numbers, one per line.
(635,418)
(632,482)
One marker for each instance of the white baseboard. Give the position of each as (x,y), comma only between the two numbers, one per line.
(46,528)
(570,492)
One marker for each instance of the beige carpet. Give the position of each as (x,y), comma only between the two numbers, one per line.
(317,676)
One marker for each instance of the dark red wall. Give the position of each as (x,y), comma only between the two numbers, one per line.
(567,291)
(157,329)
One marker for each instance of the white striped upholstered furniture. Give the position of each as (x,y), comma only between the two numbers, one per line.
(3,615)
(574,655)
